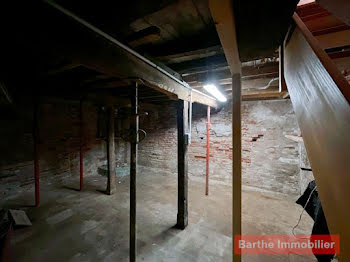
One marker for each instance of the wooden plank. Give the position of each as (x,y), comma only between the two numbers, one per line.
(182,161)
(81,145)
(248,72)
(113,58)
(134,127)
(327,63)
(339,8)
(191,55)
(298,139)
(282,81)
(237,158)
(305,2)
(323,114)
(144,36)
(63,68)
(36,151)
(111,182)
(263,95)
(329,30)
(20,217)
(320,21)
(339,54)
(336,39)
(222,13)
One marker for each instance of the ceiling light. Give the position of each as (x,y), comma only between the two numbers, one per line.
(214,91)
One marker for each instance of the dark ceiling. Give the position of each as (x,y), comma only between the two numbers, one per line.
(158,29)
(261,26)
(186,25)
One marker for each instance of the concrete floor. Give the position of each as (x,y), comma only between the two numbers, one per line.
(90,226)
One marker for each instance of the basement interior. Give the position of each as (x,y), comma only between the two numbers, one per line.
(174,130)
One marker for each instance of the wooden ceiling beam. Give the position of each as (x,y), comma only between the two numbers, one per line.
(330,30)
(63,68)
(223,16)
(225,26)
(339,54)
(339,8)
(261,95)
(112,57)
(191,55)
(270,70)
(336,39)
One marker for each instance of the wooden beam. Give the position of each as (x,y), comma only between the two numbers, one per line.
(248,72)
(237,159)
(323,114)
(145,36)
(113,58)
(327,63)
(134,127)
(336,39)
(320,21)
(255,85)
(182,161)
(263,95)
(63,68)
(305,2)
(247,67)
(222,13)
(298,139)
(259,76)
(282,81)
(111,182)
(322,14)
(191,55)
(81,146)
(339,8)
(339,54)
(36,151)
(329,30)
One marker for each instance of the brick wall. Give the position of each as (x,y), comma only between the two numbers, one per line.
(270,161)
(58,144)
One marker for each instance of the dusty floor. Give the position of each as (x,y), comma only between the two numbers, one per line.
(89,226)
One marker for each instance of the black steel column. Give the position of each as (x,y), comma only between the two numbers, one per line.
(134,130)
(111,183)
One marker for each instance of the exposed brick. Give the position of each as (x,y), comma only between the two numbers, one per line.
(264,164)
(267,121)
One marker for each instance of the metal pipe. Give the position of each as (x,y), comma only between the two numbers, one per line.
(208,152)
(81,148)
(36,154)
